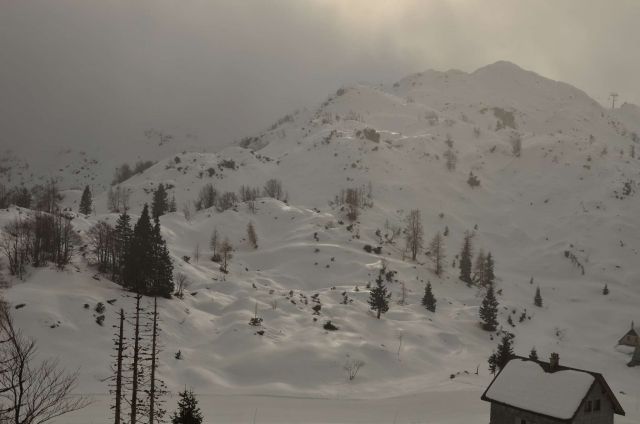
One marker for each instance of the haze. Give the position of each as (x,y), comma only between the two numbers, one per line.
(81,73)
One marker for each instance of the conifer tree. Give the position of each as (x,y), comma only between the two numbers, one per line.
(188,411)
(605,290)
(537,300)
(162,284)
(160,204)
(429,300)
(489,270)
(436,248)
(251,235)
(479,269)
(533,354)
(139,266)
(465,259)
(122,241)
(503,355)
(86,203)
(378,297)
(489,310)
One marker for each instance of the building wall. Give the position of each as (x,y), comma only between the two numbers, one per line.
(604,416)
(501,414)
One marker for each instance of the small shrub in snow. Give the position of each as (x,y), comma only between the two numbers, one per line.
(186,258)
(178,355)
(473,180)
(537,300)
(100,320)
(605,290)
(329,326)
(352,366)
(100,308)
(369,134)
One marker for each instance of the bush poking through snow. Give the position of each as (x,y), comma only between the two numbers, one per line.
(473,180)
(537,300)
(255,321)
(100,308)
(352,366)
(329,326)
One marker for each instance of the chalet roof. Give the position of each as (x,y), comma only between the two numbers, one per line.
(528,385)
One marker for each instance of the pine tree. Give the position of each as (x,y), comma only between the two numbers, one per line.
(378,297)
(465,259)
(479,269)
(162,284)
(537,300)
(533,354)
(188,411)
(86,203)
(436,248)
(489,270)
(214,244)
(138,268)
(160,204)
(429,300)
(489,310)
(605,290)
(503,355)
(122,241)
(251,235)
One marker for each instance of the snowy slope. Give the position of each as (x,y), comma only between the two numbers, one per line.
(564,193)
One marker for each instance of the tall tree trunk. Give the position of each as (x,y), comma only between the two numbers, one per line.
(136,358)
(120,348)
(152,389)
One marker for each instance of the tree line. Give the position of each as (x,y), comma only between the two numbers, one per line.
(136,257)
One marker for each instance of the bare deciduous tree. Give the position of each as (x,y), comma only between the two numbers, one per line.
(273,188)
(32,392)
(225,250)
(182,283)
(414,233)
(352,366)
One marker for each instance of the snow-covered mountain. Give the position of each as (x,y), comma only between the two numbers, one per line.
(558,179)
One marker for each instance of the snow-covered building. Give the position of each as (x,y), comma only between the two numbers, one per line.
(527,391)
(631,338)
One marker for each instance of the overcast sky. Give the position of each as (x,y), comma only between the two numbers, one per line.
(102,71)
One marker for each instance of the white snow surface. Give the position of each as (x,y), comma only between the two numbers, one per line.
(561,195)
(526,385)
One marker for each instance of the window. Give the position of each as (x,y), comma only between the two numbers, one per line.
(596,405)
(587,406)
